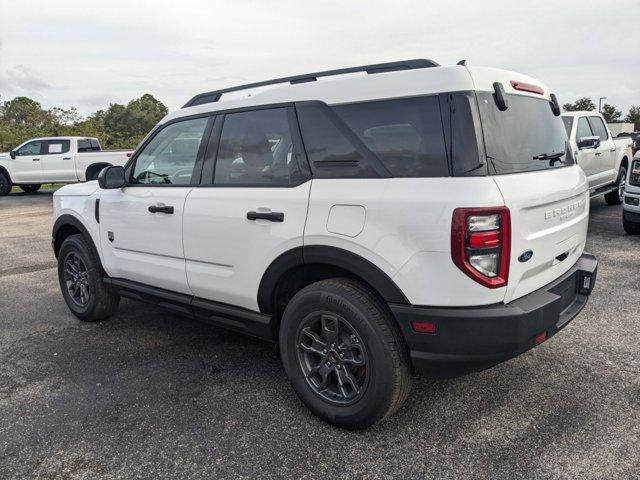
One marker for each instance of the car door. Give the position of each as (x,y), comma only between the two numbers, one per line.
(26,167)
(606,151)
(56,161)
(141,223)
(254,208)
(587,158)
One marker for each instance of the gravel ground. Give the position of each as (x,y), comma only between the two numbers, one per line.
(152,395)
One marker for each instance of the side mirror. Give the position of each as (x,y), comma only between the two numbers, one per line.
(111,178)
(588,142)
(12,154)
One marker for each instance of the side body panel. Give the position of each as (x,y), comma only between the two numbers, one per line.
(403,226)
(226,253)
(139,245)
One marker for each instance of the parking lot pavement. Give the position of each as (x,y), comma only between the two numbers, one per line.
(148,394)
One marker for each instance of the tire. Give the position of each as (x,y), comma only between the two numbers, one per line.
(615,197)
(89,298)
(30,188)
(5,184)
(632,228)
(353,396)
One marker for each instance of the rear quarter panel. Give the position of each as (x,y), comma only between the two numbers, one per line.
(404,227)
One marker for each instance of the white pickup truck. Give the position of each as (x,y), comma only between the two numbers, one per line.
(55,160)
(603,158)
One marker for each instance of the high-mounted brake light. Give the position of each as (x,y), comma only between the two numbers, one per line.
(481,244)
(527,87)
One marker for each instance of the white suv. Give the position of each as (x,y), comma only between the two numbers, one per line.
(372,221)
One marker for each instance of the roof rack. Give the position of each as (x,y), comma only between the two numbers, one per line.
(214,96)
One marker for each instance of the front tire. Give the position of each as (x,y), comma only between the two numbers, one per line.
(80,276)
(344,354)
(632,228)
(30,188)
(617,196)
(5,184)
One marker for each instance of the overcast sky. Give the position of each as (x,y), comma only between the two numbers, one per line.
(88,53)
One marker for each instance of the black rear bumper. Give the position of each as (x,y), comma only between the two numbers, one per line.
(475,338)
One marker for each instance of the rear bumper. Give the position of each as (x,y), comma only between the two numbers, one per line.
(475,338)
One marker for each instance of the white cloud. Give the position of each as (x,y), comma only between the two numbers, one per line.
(114,51)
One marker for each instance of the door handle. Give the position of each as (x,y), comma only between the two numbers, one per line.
(271,216)
(612,150)
(161,209)
(66,158)
(36,159)
(598,153)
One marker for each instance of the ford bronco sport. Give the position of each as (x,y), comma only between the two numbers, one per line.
(372,221)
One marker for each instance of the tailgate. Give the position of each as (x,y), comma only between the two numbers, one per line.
(549,217)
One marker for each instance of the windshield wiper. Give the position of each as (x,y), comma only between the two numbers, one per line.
(549,156)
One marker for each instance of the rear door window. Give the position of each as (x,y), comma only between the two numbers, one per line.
(599,130)
(54,147)
(257,149)
(405,134)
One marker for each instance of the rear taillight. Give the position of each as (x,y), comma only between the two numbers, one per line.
(481,244)
(634,178)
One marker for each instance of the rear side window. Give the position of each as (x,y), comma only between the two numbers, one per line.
(583,129)
(88,145)
(405,134)
(257,149)
(333,150)
(53,147)
(597,125)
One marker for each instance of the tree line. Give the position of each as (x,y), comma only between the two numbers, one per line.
(124,126)
(119,126)
(610,113)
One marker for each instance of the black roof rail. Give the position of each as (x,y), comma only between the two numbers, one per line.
(214,96)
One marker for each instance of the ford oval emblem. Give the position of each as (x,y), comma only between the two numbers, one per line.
(525,256)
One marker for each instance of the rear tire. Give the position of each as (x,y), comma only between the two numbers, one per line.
(343,353)
(5,184)
(80,275)
(632,228)
(30,188)
(617,196)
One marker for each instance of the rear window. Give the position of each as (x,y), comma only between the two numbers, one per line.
(405,134)
(568,123)
(524,138)
(88,145)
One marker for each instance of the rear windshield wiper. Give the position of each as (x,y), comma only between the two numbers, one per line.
(549,156)
(552,157)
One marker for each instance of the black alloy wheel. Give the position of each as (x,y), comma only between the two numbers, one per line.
(332,358)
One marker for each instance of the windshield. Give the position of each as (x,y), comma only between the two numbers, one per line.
(524,138)
(568,123)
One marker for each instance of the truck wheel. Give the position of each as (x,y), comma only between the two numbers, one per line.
(34,187)
(80,276)
(632,228)
(344,354)
(615,197)
(5,184)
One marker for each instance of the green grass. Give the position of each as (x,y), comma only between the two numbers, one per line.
(45,187)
